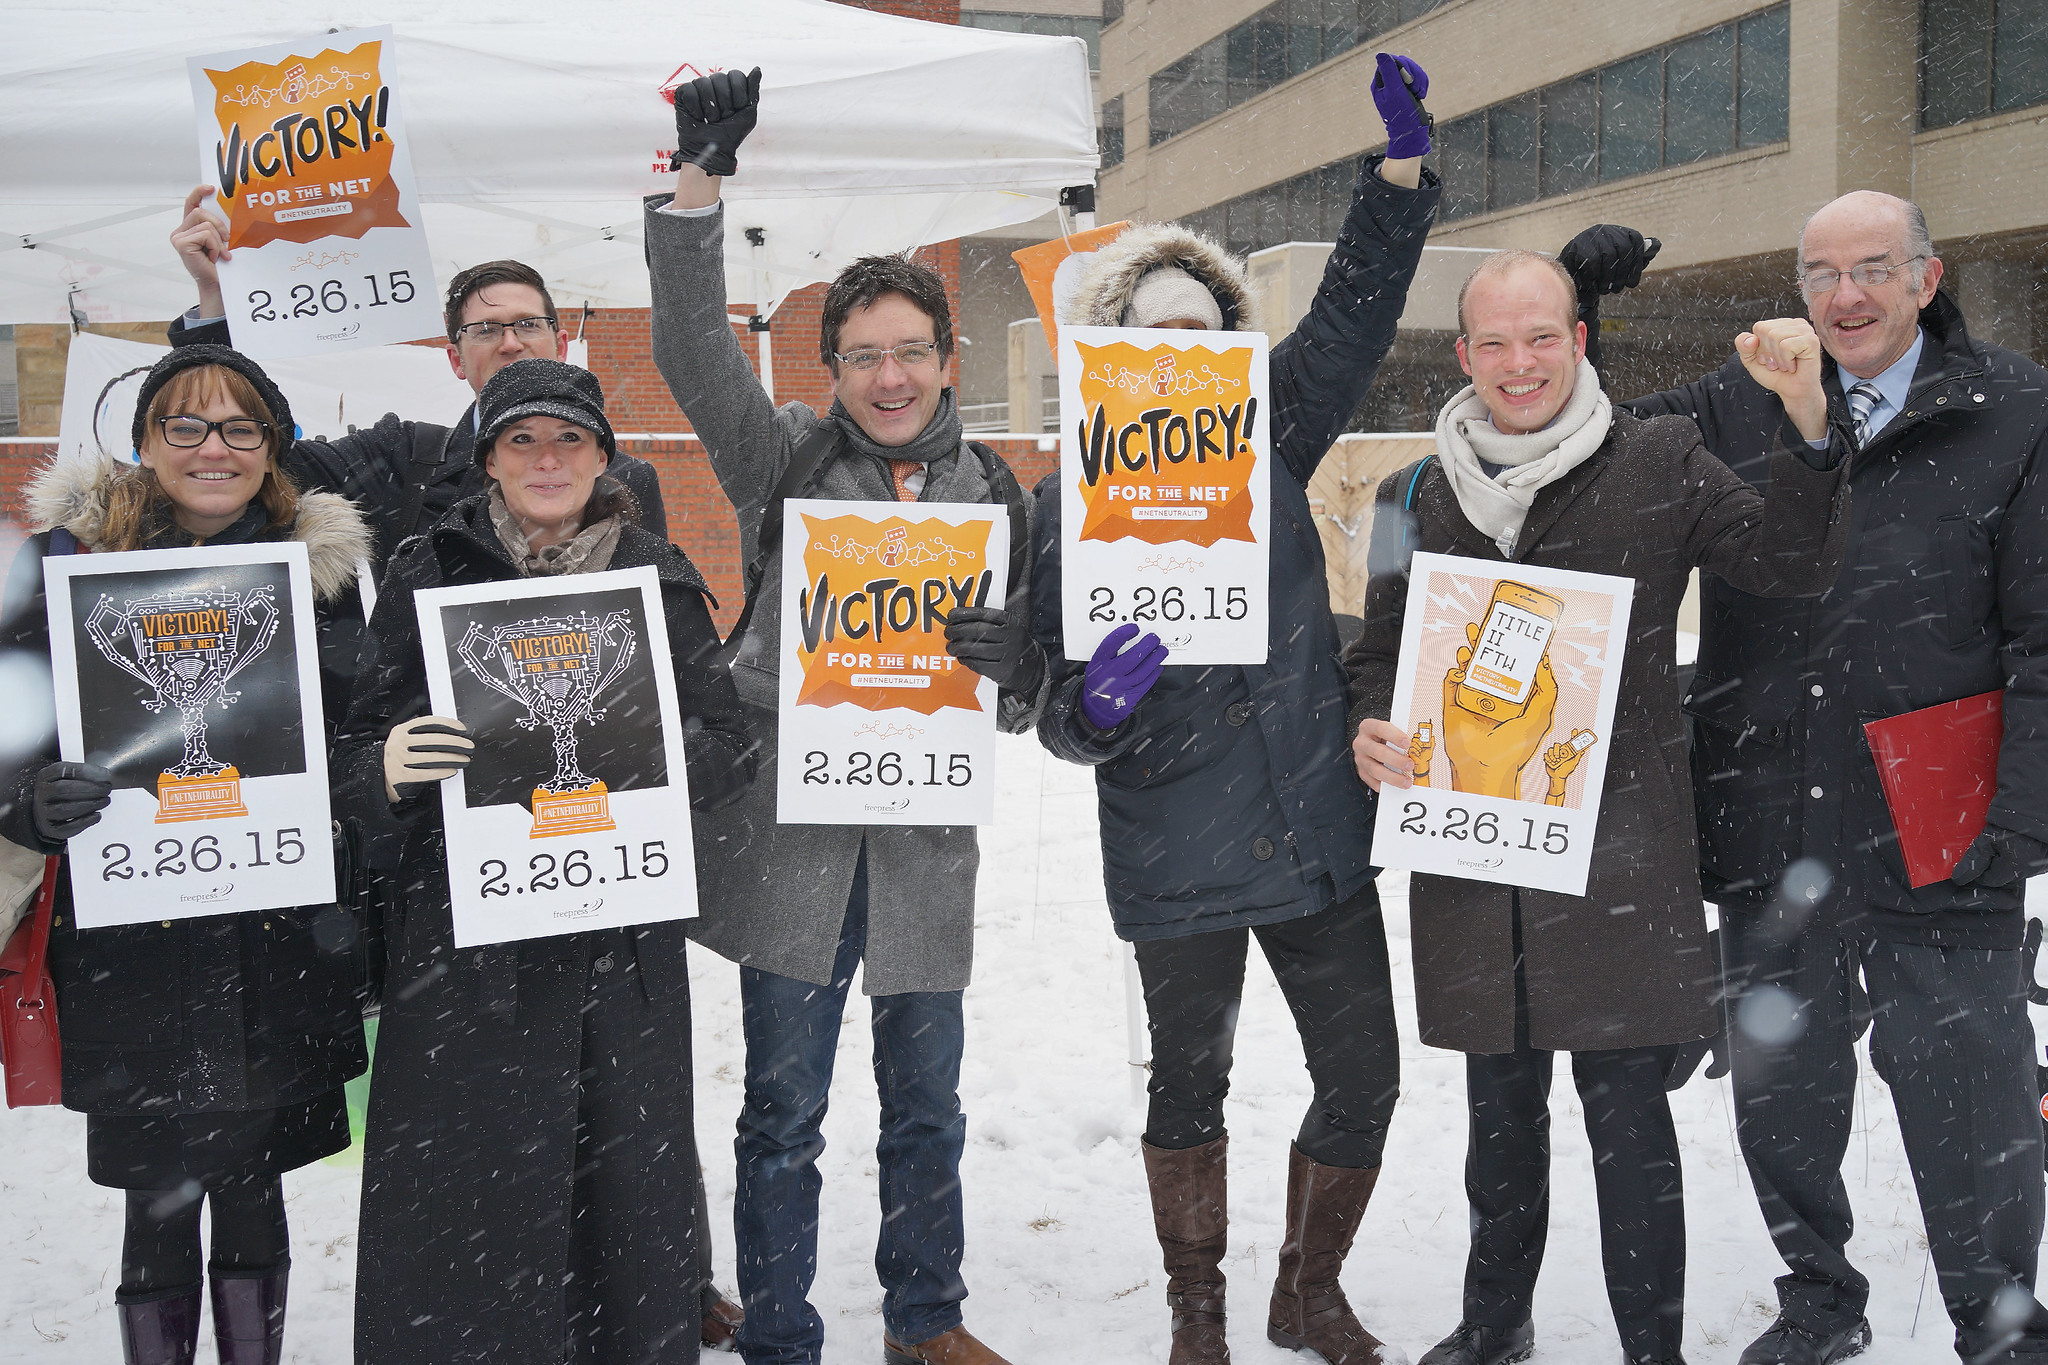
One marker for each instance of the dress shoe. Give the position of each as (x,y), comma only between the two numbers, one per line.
(1474,1345)
(1788,1343)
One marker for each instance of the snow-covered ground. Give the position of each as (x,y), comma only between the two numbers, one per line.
(1061,1260)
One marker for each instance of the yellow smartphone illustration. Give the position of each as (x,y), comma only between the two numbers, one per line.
(1513,636)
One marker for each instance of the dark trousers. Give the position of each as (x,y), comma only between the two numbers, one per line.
(792,1030)
(1950,1037)
(1332,968)
(1636,1179)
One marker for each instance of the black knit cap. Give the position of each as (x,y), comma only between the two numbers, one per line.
(541,388)
(184,358)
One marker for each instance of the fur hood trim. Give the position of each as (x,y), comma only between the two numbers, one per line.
(71,491)
(1109,281)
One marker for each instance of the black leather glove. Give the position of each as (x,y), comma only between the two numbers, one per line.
(714,114)
(996,645)
(1683,1059)
(2000,858)
(1605,259)
(69,798)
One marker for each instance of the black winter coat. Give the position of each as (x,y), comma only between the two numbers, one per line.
(467,1179)
(1943,594)
(383,467)
(227,1012)
(1627,964)
(1229,798)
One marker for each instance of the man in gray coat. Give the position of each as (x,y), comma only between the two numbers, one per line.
(800,906)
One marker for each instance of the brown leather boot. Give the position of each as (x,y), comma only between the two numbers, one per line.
(1309,1312)
(720,1328)
(1191,1212)
(957,1347)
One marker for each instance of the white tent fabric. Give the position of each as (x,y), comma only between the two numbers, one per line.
(535,129)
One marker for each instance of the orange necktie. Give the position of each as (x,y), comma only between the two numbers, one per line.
(900,472)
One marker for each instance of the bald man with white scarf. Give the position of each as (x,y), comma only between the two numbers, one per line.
(1534,466)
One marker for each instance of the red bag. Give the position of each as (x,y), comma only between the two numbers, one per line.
(29,1050)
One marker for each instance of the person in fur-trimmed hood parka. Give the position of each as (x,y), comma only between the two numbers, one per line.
(1228,805)
(208,1055)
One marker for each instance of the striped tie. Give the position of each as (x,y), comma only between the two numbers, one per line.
(1863,400)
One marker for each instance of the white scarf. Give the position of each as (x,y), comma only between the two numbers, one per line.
(1498,506)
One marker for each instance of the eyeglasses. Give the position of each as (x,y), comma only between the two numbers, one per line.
(239,433)
(489,332)
(1868,275)
(908,354)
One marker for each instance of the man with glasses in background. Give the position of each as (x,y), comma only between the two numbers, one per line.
(1943,595)
(799,907)
(404,475)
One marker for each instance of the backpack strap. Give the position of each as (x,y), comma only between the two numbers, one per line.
(1414,480)
(804,463)
(1000,478)
(1394,535)
(429,453)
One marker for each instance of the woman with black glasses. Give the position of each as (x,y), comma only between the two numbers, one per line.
(208,1055)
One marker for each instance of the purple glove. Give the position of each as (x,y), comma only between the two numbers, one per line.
(1116,682)
(1398,90)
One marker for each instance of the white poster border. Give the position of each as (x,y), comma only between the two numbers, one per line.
(1106,584)
(656,818)
(831,730)
(399,255)
(294,803)
(1419,828)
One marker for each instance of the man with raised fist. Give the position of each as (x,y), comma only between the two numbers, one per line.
(1941,597)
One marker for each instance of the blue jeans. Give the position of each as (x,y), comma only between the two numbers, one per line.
(792,1030)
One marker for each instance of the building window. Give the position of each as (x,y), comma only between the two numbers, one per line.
(1277,44)
(1112,10)
(1054,25)
(1109,137)
(1981,57)
(1704,96)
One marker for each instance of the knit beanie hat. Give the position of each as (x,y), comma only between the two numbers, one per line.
(541,388)
(184,358)
(1167,293)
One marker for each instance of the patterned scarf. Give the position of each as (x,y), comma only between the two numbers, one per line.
(588,551)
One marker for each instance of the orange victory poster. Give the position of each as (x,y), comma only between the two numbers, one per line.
(305,145)
(879,725)
(1506,684)
(1164,478)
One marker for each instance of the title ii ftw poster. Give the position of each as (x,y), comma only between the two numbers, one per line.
(1506,685)
(879,725)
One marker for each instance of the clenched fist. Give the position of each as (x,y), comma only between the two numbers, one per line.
(1784,356)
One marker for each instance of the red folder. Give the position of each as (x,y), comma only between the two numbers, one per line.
(1939,767)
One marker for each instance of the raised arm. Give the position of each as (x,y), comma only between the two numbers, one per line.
(694,347)
(1321,371)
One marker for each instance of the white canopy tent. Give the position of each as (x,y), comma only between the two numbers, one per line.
(535,128)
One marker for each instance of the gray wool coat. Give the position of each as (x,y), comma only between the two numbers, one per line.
(1626,965)
(774,896)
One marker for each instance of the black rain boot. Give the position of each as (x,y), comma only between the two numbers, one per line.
(160,1328)
(248,1314)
